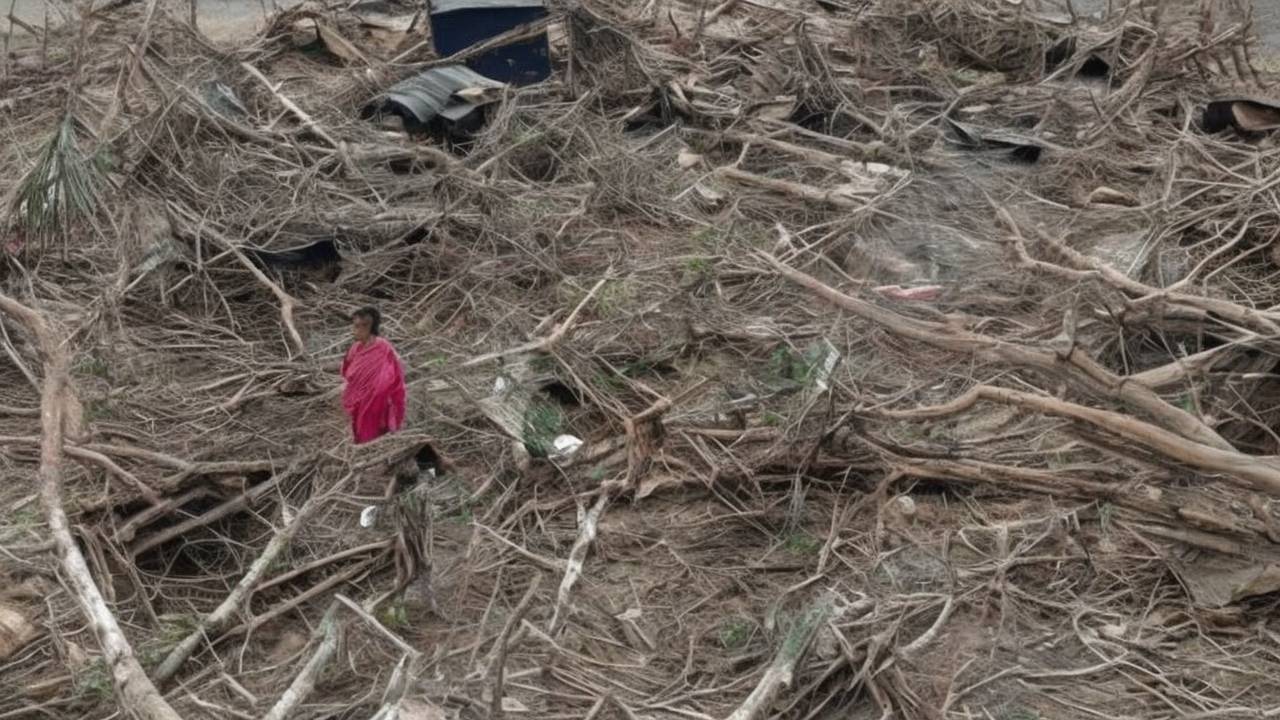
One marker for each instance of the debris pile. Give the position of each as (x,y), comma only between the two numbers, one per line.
(812,359)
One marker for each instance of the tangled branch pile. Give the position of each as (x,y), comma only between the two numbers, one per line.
(924,355)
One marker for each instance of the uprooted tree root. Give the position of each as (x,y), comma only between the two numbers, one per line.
(919,373)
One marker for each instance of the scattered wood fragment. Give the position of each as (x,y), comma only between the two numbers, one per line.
(544,344)
(329,634)
(588,524)
(287,302)
(16,630)
(847,196)
(779,675)
(307,121)
(500,659)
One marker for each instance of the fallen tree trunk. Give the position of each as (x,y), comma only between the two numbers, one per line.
(1064,485)
(1256,473)
(1263,322)
(1074,363)
(133,688)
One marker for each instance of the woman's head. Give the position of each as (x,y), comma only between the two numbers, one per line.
(366,323)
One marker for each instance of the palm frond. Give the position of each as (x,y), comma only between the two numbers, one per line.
(63,187)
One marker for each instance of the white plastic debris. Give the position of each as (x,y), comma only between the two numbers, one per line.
(687,159)
(565,446)
(822,373)
(905,506)
(368,516)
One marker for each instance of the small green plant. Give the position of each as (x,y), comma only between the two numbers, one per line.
(610,381)
(639,367)
(596,474)
(797,369)
(394,615)
(800,628)
(782,363)
(174,627)
(762,238)
(280,561)
(1105,514)
(94,681)
(801,543)
(697,265)
(93,366)
(26,518)
(735,633)
(542,423)
(1057,461)
(772,419)
(464,515)
(98,409)
(150,657)
(615,297)
(708,237)
(526,134)
(542,364)
(788,368)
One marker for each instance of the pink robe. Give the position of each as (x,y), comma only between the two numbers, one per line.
(374,392)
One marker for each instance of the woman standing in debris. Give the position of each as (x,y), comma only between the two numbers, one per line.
(373,395)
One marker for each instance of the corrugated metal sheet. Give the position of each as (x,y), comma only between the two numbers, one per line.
(444,6)
(431,93)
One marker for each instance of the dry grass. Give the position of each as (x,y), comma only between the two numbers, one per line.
(730,515)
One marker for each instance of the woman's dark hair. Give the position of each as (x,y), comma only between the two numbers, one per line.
(374,317)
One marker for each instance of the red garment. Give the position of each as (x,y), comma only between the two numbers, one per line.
(374,393)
